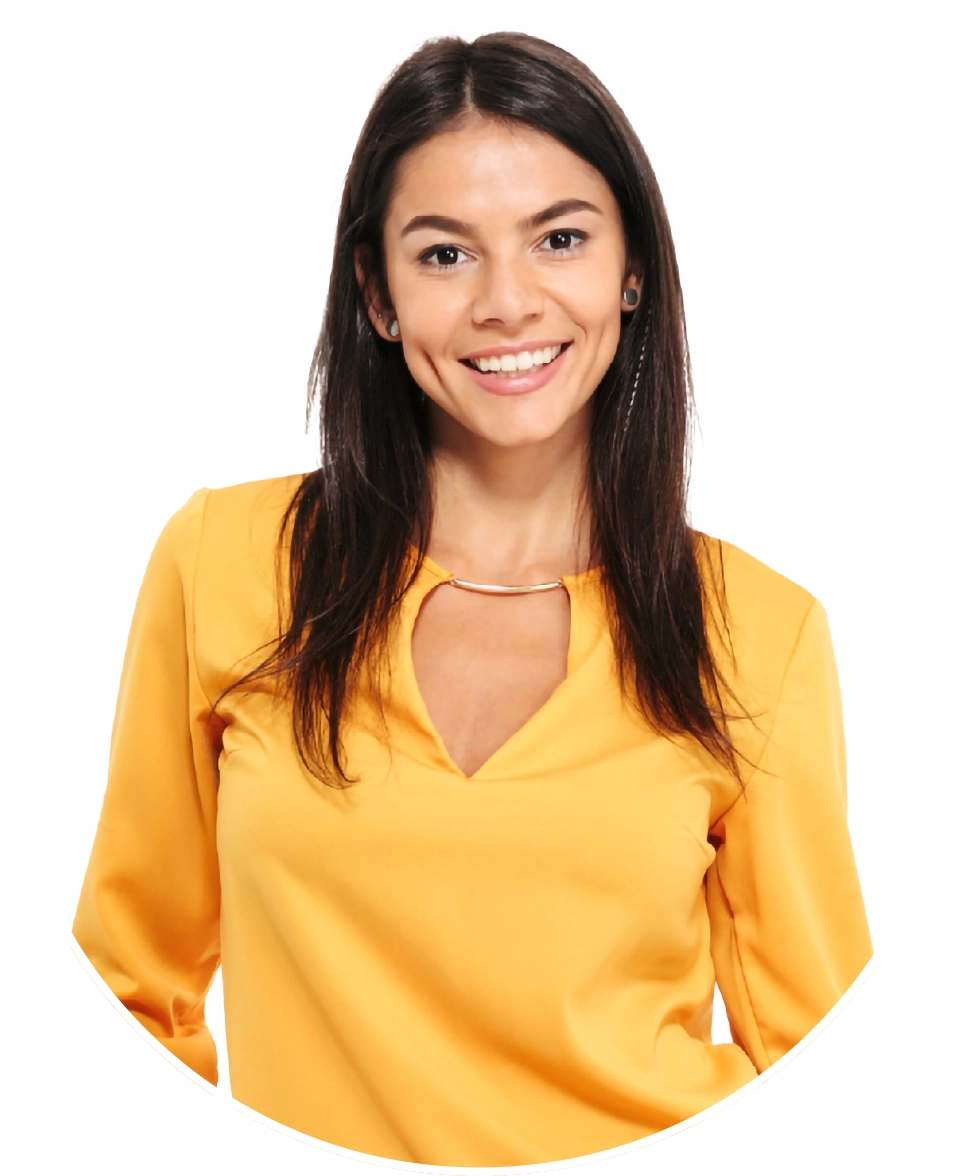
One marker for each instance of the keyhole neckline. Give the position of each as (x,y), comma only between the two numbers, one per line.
(511,760)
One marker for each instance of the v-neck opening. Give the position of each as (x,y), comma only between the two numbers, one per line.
(416,598)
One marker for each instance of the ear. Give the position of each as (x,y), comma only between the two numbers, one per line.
(376,306)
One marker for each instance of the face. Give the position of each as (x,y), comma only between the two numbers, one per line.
(506,270)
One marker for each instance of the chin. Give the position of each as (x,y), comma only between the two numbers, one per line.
(519,433)
(513,422)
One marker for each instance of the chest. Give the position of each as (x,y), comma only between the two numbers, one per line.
(484,665)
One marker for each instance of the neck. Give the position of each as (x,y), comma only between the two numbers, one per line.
(509,515)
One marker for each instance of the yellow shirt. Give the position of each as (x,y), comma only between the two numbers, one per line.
(508,968)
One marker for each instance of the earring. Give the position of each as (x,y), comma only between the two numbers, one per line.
(630,296)
(394,329)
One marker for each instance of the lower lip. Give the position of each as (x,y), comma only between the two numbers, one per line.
(517,385)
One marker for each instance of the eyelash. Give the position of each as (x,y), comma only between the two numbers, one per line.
(427,256)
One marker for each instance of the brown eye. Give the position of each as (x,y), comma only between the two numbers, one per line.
(445,256)
(563,241)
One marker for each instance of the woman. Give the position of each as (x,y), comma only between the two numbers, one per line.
(470,760)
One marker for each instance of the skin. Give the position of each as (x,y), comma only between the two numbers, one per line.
(507,471)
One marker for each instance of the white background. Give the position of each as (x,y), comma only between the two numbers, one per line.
(171,178)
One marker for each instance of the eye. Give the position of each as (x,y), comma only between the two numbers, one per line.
(562,240)
(442,256)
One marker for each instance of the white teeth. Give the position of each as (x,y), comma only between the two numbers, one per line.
(522,361)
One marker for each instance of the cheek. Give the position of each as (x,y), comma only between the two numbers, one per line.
(600,319)
(428,311)
(597,300)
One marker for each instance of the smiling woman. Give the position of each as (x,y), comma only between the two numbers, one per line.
(511,258)
(472,763)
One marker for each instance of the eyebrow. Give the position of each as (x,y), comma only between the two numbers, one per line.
(448,224)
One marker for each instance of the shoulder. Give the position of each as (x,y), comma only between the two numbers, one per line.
(229,522)
(233,530)
(757,617)
(756,596)
(254,508)
(227,543)
(230,515)
(241,532)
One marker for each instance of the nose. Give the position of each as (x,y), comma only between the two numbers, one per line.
(507,293)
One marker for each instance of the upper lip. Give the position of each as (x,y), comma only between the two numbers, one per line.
(516,348)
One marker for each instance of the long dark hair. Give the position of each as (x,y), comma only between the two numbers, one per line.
(353,523)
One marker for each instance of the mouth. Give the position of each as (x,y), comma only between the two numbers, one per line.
(511,365)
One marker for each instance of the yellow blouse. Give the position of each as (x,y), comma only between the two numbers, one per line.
(508,968)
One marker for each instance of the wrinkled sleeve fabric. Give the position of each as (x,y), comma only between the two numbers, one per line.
(788,925)
(148,915)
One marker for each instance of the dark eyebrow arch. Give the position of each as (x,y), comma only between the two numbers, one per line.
(447,224)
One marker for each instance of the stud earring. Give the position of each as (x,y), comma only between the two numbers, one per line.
(630,296)
(394,329)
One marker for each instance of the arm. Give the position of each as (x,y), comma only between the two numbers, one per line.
(148,916)
(789,932)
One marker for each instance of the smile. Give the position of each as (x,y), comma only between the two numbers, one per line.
(514,364)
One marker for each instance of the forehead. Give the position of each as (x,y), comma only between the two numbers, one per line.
(484,170)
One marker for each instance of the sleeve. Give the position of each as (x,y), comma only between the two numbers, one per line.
(788,926)
(148,915)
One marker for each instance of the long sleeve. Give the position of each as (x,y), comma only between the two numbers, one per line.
(789,931)
(148,916)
